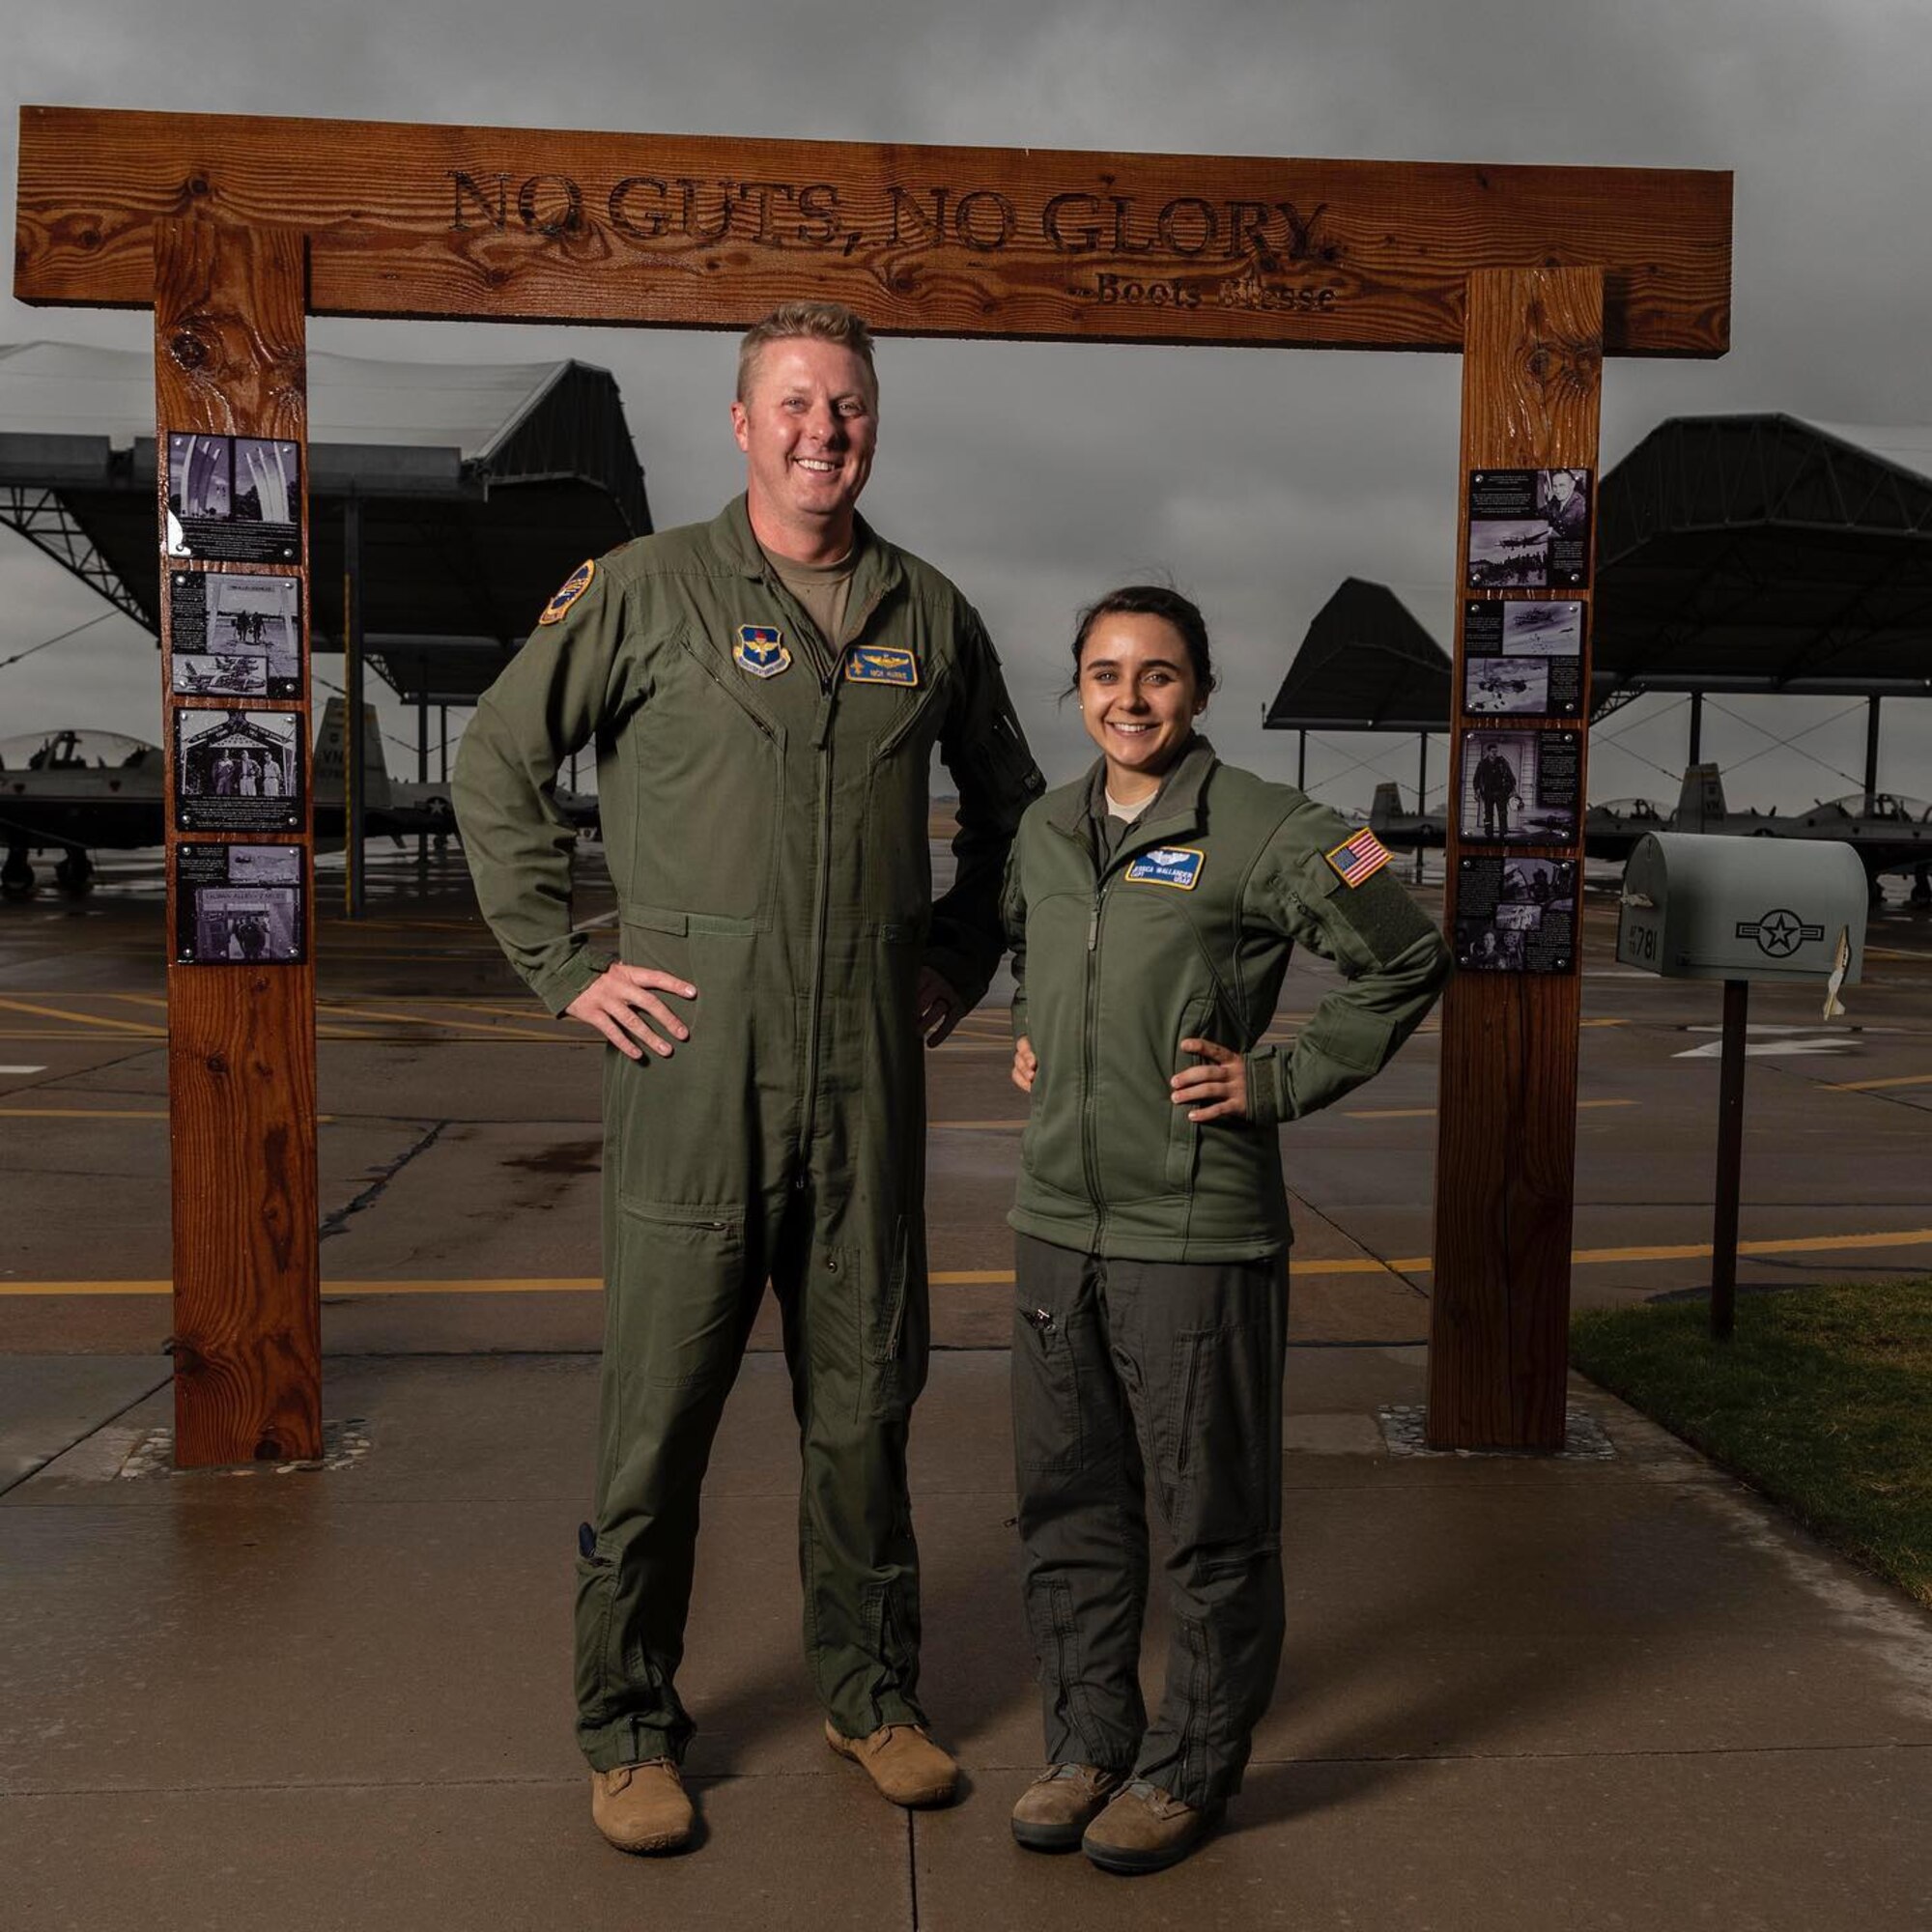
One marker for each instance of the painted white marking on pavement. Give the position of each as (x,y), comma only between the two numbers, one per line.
(1770,1049)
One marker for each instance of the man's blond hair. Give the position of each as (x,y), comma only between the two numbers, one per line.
(820,322)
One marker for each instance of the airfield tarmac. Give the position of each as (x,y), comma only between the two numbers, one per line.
(1604,1688)
(459,1146)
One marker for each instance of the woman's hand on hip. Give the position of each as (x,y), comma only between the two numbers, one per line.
(1024,1066)
(1216,1089)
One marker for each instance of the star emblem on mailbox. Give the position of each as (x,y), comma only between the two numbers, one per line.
(1779,933)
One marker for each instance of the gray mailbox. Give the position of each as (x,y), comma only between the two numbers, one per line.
(1702,906)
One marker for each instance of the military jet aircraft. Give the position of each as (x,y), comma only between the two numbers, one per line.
(71,791)
(78,792)
(1888,832)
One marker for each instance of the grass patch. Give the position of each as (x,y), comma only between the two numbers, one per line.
(1822,1399)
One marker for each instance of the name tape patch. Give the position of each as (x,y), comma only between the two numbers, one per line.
(761,651)
(881,664)
(1359,858)
(1176,866)
(568,592)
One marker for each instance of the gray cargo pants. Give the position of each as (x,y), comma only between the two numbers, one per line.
(1122,1369)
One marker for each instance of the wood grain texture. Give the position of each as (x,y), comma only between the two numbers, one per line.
(1505,1167)
(229,360)
(557,225)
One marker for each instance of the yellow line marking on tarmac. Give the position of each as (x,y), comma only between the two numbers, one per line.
(1424,1113)
(996,1277)
(102,1114)
(13,1005)
(1866,1086)
(333,1008)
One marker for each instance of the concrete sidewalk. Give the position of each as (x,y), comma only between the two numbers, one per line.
(1610,1690)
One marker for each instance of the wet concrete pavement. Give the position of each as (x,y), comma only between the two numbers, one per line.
(1608,1688)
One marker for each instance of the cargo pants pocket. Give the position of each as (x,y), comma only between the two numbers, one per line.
(1046,1392)
(1213,1473)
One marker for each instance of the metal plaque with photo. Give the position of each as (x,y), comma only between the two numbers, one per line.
(239,905)
(1516,915)
(234,636)
(1520,787)
(234,499)
(237,771)
(1529,530)
(1524,655)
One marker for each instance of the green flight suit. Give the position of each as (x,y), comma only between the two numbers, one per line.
(1152,1294)
(764,797)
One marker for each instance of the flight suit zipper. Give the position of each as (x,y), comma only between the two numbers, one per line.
(822,743)
(1090,1151)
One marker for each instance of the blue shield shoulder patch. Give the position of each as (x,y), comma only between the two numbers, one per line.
(761,650)
(881,664)
(569,591)
(1176,866)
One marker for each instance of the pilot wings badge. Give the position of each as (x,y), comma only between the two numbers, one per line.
(881,664)
(761,650)
(1176,866)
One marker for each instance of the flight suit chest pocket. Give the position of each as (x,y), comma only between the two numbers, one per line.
(707,764)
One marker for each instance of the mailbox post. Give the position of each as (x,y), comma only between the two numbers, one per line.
(1708,907)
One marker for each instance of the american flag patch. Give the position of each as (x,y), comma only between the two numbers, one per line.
(1359,858)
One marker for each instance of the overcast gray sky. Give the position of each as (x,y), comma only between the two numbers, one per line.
(1039,474)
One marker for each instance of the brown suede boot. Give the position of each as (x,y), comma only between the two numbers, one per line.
(902,1761)
(1145,1830)
(1059,1803)
(641,1807)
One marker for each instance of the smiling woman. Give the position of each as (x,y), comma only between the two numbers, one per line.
(1152,907)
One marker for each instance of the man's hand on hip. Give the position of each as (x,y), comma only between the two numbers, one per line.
(622,1004)
(940,1008)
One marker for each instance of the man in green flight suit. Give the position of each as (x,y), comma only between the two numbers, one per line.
(765,692)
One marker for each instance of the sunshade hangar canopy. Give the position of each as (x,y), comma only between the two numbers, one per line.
(1365,664)
(1762,553)
(481,488)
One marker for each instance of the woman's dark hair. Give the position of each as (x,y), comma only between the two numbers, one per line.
(1152,600)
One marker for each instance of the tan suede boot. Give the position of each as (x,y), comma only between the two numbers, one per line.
(1059,1803)
(1144,1831)
(641,1807)
(902,1761)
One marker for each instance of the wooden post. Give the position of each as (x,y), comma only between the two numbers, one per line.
(1532,370)
(230,360)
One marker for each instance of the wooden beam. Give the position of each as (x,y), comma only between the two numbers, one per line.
(683,230)
(1499,1355)
(229,360)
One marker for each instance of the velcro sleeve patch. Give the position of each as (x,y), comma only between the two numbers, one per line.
(568,592)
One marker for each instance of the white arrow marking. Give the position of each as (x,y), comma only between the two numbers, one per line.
(1770,1048)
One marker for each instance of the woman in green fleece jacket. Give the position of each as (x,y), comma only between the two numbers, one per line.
(1153,906)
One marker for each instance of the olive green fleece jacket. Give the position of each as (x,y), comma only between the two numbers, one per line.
(1186,932)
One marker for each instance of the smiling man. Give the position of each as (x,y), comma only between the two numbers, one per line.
(765,692)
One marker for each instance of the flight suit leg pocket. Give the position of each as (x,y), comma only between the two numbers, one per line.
(682,1292)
